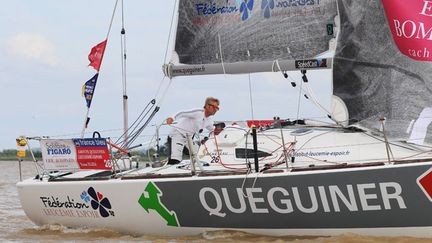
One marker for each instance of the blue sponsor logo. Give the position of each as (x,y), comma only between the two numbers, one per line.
(89,142)
(58,151)
(246,7)
(267,6)
(57,148)
(296,3)
(211,8)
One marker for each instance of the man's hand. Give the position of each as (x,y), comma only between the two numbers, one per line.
(217,131)
(169,120)
(204,140)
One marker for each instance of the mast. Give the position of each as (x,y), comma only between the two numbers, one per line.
(125,97)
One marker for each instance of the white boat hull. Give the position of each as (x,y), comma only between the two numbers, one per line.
(384,200)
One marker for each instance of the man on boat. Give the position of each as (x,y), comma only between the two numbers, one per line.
(189,123)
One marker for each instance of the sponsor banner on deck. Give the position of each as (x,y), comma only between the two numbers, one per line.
(92,153)
(59,154)
(75,154)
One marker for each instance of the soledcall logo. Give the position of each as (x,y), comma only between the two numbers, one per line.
(312,63)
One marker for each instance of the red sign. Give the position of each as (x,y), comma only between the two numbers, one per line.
(410,23)
(425,183)
(92,153)
(261,123)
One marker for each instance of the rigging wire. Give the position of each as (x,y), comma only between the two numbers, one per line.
(250,96)
(162,97)
(299,101)
(112,19)
(170,31)
(166,54)
(147,115)
(250,88)
(140,118)
(221,56)
(300,91)
(307,92)
(139,131)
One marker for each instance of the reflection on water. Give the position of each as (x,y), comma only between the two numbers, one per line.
(15,226)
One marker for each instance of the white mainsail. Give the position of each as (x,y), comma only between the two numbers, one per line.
(370,74)
(375,79)
(227,36)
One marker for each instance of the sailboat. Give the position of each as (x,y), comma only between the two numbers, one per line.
(369,172)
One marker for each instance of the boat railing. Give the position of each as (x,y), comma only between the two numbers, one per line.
(60,157)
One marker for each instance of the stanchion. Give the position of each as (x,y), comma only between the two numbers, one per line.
(255,148)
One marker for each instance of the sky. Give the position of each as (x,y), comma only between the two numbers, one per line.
(43,64)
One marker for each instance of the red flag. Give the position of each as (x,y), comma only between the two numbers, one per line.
(96,55)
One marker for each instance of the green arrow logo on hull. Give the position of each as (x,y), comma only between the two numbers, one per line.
(153,202)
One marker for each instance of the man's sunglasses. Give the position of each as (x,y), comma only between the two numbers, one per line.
(214,106)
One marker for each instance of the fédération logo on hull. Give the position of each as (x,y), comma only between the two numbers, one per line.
(93,205)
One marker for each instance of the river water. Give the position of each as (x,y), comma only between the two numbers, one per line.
(16,227)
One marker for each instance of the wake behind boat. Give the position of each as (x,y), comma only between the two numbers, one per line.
(273,177)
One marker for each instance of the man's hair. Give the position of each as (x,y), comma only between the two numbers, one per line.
(210,100)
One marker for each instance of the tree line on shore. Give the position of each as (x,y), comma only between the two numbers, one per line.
(11,154)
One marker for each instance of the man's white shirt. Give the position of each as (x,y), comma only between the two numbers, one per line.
(191,121)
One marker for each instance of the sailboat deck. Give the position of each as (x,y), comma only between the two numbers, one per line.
(310,153)
(173,171)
